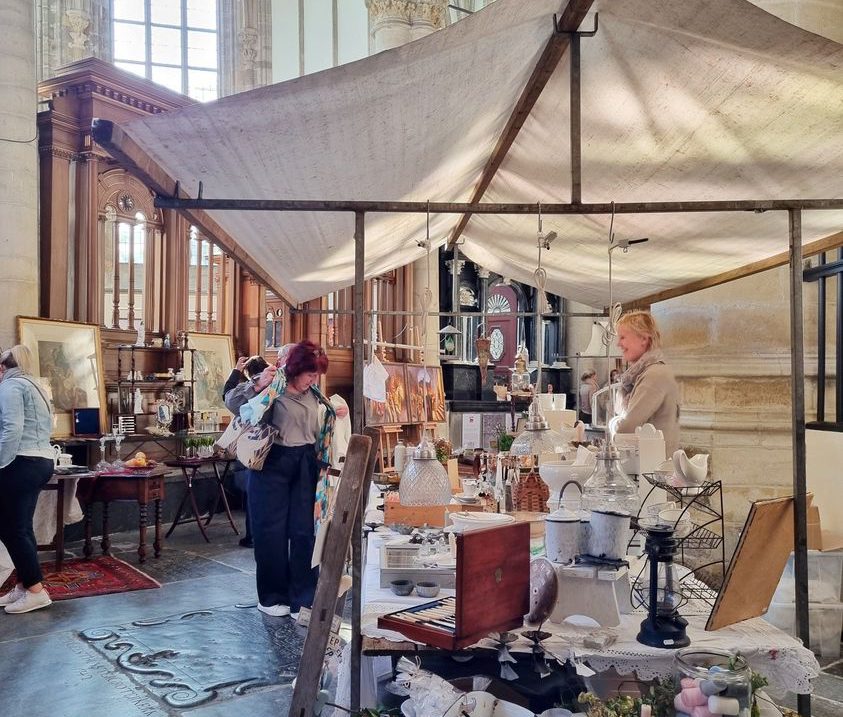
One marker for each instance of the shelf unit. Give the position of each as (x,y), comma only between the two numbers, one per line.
(162,360)
(704,505)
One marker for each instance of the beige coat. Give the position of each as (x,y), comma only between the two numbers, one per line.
(654,399)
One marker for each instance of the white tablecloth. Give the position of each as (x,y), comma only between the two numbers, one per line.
(779,657)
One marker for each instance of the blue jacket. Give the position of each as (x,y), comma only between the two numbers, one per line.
(25,418)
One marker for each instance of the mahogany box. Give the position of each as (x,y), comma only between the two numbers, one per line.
(492,592)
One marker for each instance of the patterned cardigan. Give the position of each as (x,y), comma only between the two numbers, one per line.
(267,397)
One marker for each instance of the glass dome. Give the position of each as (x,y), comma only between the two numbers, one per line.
(609,489)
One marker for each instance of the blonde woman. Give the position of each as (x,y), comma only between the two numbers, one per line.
(26,465)
(649,390)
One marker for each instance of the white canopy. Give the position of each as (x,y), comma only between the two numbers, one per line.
(713,100)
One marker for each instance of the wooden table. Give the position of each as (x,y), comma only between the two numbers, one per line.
(190,473)
(141,486)
(57,484)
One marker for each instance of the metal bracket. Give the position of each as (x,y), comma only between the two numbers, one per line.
(579,33)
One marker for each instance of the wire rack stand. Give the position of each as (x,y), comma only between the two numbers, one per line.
(702,529)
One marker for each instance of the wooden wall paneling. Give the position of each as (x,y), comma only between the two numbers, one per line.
(55,230)
(250,337)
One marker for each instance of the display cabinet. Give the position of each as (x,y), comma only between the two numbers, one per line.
(163,380)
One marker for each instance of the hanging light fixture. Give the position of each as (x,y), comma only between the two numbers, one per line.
(537,436)
(425,480)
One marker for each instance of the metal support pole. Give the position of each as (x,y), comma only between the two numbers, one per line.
(821,339)
(797,388)
(576,122)
(357,427)
(459,350)
(838,374)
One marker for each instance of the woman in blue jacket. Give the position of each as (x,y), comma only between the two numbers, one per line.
(26,465)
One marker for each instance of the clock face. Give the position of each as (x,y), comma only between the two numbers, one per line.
(126,202)
(496,347)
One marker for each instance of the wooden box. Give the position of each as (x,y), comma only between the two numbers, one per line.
(492,592)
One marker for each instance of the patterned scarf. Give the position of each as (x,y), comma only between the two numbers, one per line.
(263,402)
(633,372)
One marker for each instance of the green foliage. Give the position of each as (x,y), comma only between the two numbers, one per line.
(504,440)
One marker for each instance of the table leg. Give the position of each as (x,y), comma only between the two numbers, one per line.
(221,494)
(59,537)
(106,542)
(142,531)
(157,544)
(193,504)
(87,550)
(179,509)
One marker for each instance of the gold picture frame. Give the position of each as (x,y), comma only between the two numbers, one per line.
(67,355)
(214,358)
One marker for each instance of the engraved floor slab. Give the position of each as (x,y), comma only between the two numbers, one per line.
(203,656)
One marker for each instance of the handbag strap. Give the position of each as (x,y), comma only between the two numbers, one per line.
(38,389)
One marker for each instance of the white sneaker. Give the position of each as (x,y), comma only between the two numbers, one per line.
(275,610)
(29,602)
(16,593)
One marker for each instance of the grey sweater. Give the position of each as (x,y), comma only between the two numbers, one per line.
(654,399)
(297,417)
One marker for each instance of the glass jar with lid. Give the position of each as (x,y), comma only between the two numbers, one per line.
(609,489)
(717,679)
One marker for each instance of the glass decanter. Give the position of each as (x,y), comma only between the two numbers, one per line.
(609,489)
(425,480)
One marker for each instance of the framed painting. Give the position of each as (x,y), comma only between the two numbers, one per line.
(209,366)
(67,355)
(395,410)
(425,394)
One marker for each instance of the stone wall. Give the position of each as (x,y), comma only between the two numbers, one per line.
(18,169)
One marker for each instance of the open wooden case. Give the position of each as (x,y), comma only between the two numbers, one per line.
(492,592)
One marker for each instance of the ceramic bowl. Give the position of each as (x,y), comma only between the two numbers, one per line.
(556,473)
(487,705)
(678,518)
(427,589)
(464,521)
(402,587)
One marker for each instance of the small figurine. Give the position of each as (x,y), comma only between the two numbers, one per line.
(141,340)
(166,341)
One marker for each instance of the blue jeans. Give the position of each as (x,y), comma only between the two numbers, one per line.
(22,481)
(281,499)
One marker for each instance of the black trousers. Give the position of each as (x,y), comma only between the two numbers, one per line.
(20,483)
(281,499)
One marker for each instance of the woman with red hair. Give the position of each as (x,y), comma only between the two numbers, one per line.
(283,494)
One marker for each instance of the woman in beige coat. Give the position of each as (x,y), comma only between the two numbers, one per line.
(649,390)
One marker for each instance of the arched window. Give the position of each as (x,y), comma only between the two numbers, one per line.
(171,42)
(126,258)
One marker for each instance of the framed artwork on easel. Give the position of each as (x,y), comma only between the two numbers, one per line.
(425,394)
(395,409)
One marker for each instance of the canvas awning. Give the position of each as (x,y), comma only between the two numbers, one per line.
(701,100)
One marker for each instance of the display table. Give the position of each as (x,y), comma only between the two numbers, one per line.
(140,486)
(779,657)
(64,486)
(190,473)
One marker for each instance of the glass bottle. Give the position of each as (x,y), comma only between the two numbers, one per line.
(609,489)
(425,480)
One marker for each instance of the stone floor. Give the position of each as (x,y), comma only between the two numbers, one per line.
(196,646)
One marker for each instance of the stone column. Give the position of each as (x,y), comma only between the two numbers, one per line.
(18,169)
(246,45)
(396,22)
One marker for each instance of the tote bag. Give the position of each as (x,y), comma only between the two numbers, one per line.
(253,444)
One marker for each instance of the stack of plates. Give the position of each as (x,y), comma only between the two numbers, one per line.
(466,499)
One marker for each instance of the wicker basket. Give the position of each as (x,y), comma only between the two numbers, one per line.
(530,493)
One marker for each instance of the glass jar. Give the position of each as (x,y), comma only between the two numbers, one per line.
(425,480)
(609,489)
(718,679)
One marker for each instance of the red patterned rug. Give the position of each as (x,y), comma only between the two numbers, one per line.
(83,578)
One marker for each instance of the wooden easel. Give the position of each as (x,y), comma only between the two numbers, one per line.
(387,440)
(354,483)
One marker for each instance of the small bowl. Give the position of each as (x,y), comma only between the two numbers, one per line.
(402,587)
(427,590)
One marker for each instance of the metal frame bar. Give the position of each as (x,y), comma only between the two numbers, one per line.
(317,205)
(797,387)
